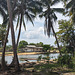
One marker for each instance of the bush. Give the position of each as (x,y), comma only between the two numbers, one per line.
(67,49)
(65,60)
(22,44)
(46,47)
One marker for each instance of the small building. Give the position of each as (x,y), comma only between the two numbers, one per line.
(33,48)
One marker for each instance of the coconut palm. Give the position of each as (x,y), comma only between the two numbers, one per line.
(29,16)
(26,9)
(16,62)
(6,23)
(50,17)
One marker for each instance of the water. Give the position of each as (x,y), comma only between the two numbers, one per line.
(8,59)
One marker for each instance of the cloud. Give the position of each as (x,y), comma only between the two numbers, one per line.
(33,34)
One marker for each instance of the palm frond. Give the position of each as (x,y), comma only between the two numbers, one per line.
(59,10)
(49,27)
(70,4)
(55,2)
(2,12)
(45,25)
(29,17)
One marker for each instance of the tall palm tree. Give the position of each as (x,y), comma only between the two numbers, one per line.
(26,10)
(29,16)
(50,17)
(3,53)
(16,62)
(22,11)
(5,22)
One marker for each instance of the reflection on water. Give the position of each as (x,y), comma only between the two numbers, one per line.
(9,58)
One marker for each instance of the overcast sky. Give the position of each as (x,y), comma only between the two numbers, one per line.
(35,34)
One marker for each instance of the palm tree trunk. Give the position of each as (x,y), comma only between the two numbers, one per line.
(19,29)
(4,47)
(18,37)
(56,40)
(16,62)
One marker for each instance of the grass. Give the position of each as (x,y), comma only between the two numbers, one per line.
(53,68)
(46,66)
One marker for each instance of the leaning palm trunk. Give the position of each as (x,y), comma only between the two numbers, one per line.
(56,40)
(4,47)
(16,62)
(17,39)
(19,30)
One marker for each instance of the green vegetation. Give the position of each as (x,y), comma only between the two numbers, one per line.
(40,44)
(19,11)
(66,36)
(22,44)
(2,34)
(32,44)
(66,60)
(46,47)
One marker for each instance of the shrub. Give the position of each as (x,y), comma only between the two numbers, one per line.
(65,60)
(22,44)
(46,47)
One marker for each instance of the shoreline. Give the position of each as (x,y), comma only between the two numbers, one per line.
(27,53)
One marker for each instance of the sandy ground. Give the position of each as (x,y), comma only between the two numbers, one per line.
(27,53)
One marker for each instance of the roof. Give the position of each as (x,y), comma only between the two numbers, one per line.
(31,46)
(39,47)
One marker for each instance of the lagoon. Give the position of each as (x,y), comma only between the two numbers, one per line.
(8,59)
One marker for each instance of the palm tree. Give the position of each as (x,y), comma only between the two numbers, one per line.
(26,10)
(21,9)
(4,47)
(16,62)
(50,17)
(5,22)
(29,16)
